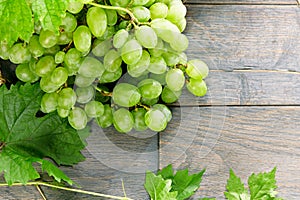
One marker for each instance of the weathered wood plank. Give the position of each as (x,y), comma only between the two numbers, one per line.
(245,37)
(247,87)
(246,139)
(239,2)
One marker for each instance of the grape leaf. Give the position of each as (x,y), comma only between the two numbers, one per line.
(25,138)
(55,172)
(15,21)
(158,188)
(166,172)
(235,188)
(49,13)
(186,184)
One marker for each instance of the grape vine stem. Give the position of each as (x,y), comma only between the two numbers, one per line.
(39,183)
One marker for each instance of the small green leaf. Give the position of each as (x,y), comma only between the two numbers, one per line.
(167,172)
(15,21)
(54,171)
(158,188)
(235,188)
(49,13)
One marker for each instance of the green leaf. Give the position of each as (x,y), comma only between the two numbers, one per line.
(158,188)
(15,21)
(235,188)
(49,13)
(167,172)
(186,184)
(263,185)
(25,138)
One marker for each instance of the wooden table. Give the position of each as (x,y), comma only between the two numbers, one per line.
(249,121)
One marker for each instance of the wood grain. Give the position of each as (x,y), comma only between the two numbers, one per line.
(239,2)
(246,139)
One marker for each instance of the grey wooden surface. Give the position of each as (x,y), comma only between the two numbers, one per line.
(249,121)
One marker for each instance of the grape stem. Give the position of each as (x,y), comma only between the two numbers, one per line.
(39,183)
(104,93)
(133,19)
(2,144)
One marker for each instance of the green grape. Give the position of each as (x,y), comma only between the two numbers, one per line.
(59,76)
(141,66)
(123,120)
(138,115)
(156,120)
(109,77)
(52,50)
(176,12)
(161,78)
(159,49)
(197,87)
(49,102)
(82,38)
(180,44)
(64,38)
(74,7)
(149,102)
(109,33)
(158,10)
(66,98)
(131,52)
(171,58)
(4,50)
(34,46)
(120,3)
(100,48)
(69,23)
(175,79)
(91,67)
(150,88)
(112,17)
(77,118)
(63,113)
(85,94)
(94,109)
(112,61)
(125,25)
(164,109)
(181,24)
(24,73)
(139,2)
(170,96)
(197,69)
(165,29)
(141,13)
(106,119)
(150,2)
(45,66)
(96,20)
(146,36)
(48,38)
(120,38)
(126,95)
(72,57)
(82,81)
(157,65)
(59,57)
(18,54)
(47,86)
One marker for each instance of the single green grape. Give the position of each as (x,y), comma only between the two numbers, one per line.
(146,36)
(47,86)
(197,87)
(106,119)
(170,96)
(150,88)
(126,95)
(101,47)
(139,68)
(176,12)
(120,38)
(77,118)
(82,38)
(67,98)
(68,23)
(156,120)
(175,79)
(139,119)
(141,13)
(165,29)
(82,81)
(123,120)
(112,17)
(157,65)
(48,38)
(181,44)
(96,20)
(59,76)
(49,102)
(197,69)
(34,46)
(85,94)
(112,61)
(158,10)
(45,66)
(74,7)
(59,57)
(164,109)
(94,109)
(19,53)
(63,113)
(91,67)
(24,73)
(109,77)
(72,58)
(131,52)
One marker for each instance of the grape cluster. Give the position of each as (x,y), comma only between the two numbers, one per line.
(119,63)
